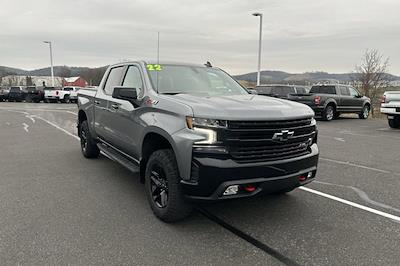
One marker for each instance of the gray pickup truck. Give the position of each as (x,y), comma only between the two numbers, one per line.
(390,106)
(331,100)
(195,134)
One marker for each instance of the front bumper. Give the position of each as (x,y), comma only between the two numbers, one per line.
(211,176)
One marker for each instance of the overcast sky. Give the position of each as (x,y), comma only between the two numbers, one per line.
(298,35)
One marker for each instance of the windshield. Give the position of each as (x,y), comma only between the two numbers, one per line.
(201,81)
(15,89)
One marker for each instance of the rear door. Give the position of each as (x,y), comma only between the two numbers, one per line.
(102,105)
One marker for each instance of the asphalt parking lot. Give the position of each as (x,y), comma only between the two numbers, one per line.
(59,208)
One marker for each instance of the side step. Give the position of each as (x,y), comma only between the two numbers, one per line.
(118,157)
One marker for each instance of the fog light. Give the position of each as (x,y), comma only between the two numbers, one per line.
(302,178)
(231,190)
(249,188)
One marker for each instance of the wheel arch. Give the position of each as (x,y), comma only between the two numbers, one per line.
(153,140)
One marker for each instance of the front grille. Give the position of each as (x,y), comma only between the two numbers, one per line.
(252,141)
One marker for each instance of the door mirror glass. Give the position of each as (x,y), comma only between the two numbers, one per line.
(125,93)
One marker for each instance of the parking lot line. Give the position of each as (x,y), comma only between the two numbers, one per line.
(353,204)
(357,165)
(56,126)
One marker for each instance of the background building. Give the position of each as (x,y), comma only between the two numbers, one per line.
(74,81)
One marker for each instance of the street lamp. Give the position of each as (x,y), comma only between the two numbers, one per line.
(259,47)
(51,62)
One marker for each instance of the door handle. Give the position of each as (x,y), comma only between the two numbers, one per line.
(96,102)
(115,106)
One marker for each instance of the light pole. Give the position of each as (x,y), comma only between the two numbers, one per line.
(259,47)
(51,62)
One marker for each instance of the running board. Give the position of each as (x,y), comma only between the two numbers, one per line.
(118,157)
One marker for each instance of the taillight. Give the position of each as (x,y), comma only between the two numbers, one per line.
(317,100)
(383,99)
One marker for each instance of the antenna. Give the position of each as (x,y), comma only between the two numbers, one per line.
(158,57)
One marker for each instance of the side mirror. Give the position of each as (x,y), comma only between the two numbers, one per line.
(125,93)
(358,96)
(252,91)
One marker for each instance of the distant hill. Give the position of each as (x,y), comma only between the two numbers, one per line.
(92,75)
(268,76)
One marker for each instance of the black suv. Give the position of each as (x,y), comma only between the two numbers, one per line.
(34,94)
(16,94)
(279,91)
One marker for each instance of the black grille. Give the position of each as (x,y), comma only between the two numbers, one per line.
(252,141)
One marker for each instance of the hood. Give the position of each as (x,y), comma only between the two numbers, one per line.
(244,107)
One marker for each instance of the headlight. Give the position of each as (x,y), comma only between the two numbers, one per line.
(206,127)
(205,122)
(313,122)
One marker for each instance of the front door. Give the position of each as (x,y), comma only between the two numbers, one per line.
(356,99)
(126,121)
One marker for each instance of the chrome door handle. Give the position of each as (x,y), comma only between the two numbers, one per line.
(96,102)
(115,106)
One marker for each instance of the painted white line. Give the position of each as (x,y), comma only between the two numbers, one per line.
(66,132)
(40,110)
(58,127)
(339,139)
(362,194)
(26,126)
(357,165)
(31,118)
(353,204)
(70,112)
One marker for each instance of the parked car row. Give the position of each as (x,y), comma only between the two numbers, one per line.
(38,94)
(328,101)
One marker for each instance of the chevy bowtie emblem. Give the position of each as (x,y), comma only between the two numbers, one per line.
(284,135)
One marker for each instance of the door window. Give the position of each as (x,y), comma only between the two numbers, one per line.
(344,90)
(113,79)
(133,79)
(354,92)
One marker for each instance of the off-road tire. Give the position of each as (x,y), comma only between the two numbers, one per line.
(88,144)
(329,113)
(176,207)
(364,112)
(394,123)
(66,99)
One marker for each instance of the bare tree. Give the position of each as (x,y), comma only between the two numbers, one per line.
(371,75)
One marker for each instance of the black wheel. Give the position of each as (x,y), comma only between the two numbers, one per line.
(88,145)
(364,113)
(163,188)
(329,113)
(66,99)
(394,123)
